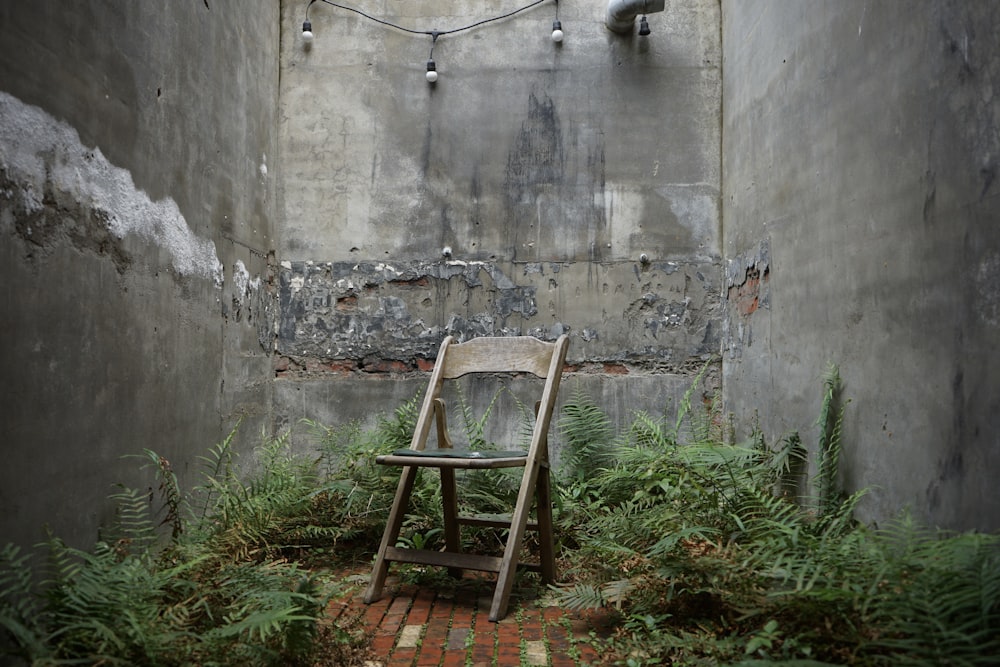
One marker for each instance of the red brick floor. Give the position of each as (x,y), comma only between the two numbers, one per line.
(447,624)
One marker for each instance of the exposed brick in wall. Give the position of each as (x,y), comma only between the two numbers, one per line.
(746,296)
(302,368)
(747,291)
(390,318)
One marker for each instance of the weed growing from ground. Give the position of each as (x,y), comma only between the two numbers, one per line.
(707,551)
(219,591)
(709,554)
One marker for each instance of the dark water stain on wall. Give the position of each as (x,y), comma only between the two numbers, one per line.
(537,155)
(550,206)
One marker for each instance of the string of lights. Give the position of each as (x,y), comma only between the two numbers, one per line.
(432,75)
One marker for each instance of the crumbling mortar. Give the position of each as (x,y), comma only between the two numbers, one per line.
(304,368)
(350,310)
(745,291)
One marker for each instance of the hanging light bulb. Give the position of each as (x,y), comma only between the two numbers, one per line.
(432,70)
(557,33)
(643,26)
(307,27)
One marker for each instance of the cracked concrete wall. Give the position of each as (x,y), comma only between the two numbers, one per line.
(660,316)
(136,218)
(546,171)
(862,144)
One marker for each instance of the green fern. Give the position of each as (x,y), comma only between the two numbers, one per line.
(692,425)
(830,424)
(217,474)
(586,438)
(21,617)
(588,596)
(211,595)
(938,596)
(134,529)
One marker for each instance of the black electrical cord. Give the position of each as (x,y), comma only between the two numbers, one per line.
(434,33)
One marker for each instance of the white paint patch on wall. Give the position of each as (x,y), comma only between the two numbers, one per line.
(696,207)
(243,285)
(623,210)
(39,151)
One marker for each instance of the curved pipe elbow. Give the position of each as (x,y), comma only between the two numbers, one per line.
(622,13)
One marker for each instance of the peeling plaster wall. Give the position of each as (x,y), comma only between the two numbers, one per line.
(45,159)
(136,222)
(547,171)
(860,154)
(660,316)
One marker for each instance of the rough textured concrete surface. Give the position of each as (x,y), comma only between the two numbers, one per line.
(861,154)
(136,219)
(535,188)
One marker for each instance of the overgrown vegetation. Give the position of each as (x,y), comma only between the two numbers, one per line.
(221,590)
(707,552)
(708,557)
(365,490)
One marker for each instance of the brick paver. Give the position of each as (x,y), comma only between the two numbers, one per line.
(449,626)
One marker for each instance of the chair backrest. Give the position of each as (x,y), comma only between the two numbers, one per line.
(510,354)
(516,354)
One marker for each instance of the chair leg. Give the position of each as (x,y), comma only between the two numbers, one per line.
(452,534)
(391,534)
(518,524)
(546,536)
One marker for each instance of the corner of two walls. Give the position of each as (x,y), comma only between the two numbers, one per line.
(860,152)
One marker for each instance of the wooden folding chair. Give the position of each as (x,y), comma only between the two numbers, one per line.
(519,354)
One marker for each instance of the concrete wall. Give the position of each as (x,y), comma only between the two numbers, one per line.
(547,169)
(860,159)
(142,192)
(137,209)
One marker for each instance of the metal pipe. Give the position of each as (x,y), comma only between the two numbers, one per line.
(622,13)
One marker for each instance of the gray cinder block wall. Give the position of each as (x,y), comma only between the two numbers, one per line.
(860,160)
(137,211)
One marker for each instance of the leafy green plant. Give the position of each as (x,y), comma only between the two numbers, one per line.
(706,554)
(709,552)
(830,423)
(361,492)
(24,633)
(216,592)
(935,597)
(586,433)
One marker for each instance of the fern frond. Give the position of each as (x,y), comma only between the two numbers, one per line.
(135,529)
(588,596)
(587,437)
(699,424)
(21,616)
(650,432)
(830,425)
(217,475)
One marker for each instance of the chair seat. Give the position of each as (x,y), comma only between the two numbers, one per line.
(454,458)
(462,453)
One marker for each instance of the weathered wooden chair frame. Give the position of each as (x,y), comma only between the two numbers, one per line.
(516,354)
